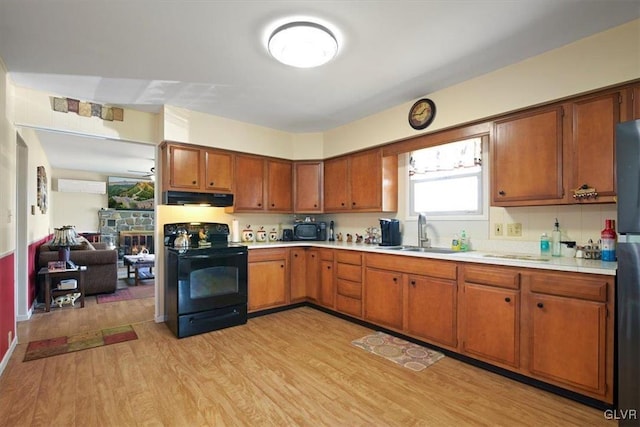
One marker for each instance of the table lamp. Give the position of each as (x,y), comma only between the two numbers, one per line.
(64,238)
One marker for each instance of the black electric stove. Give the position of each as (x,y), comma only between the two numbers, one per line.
(206,281)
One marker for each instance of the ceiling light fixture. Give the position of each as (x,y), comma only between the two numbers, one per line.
(303,44)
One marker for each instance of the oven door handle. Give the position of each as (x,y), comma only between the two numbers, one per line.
(210,255)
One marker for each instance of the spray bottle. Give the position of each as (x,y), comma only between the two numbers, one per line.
(555,240)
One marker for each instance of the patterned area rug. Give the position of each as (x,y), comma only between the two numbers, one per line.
(131,292)
(54,346)
(399,351)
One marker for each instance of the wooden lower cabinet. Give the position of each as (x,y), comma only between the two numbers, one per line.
(569,326)
(313,274)
(326,296)
(431,306)
(268,278)
(491,323)
(490,314)
(383,297)
(298,275)
(348,280)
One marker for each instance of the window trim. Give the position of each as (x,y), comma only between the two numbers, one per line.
(483,216)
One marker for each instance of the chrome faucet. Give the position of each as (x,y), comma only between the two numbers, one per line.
(423,240)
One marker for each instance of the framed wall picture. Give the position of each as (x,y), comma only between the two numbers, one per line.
(42,193)
(130,193)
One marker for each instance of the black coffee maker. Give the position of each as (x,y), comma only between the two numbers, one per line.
(390,232)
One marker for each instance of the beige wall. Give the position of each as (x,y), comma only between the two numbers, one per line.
(77,209)
(601,60)
(39,224)
(7,166)
(33,109)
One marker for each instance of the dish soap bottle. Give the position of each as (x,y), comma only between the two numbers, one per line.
(609,238)
(545,247)
(455,243)
(464,243)
(555,240)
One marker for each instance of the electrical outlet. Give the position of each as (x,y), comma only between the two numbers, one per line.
(514,229)
(497,229)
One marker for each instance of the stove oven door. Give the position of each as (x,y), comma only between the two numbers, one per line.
(212,280)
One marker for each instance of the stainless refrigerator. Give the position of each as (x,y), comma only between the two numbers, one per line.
(628,274)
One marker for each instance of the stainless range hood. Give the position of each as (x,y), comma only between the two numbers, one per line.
(185,198)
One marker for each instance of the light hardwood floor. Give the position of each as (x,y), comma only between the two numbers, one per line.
(296,367)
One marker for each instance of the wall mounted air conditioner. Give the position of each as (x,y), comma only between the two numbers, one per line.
(80,186)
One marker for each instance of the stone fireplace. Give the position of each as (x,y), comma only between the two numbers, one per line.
(128,231)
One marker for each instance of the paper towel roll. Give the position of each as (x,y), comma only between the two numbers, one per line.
(235,231)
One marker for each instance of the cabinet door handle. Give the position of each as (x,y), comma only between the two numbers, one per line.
(211,184)
(501,192)
(315,206)
(540,305)
(507,299)
(281,265)
(413,283)
(353,203)
(295,255)
(193,182)
(273,205)
(259,204)
(313,255)
(328,267)
(342,204)
(395,279)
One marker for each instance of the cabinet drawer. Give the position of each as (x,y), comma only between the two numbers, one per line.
(502,277)
(349,289)
(348,305)
(267,254)
(569,285)
(414,265)
(349,257)
(326,254)
(349,272)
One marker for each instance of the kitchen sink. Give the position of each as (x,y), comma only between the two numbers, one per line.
(518,257)
(419,249)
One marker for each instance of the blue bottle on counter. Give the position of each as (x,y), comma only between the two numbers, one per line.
(545,246)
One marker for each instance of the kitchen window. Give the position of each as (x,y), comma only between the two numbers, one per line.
(449,181)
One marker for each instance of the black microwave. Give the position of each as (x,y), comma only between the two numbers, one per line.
(310,231)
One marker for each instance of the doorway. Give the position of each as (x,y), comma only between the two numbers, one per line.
(23,311)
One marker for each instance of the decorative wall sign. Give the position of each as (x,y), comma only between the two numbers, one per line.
(42,189)
(87,109)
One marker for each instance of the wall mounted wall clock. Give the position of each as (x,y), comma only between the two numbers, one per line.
(422,113)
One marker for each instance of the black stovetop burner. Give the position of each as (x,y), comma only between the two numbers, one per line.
(202,235)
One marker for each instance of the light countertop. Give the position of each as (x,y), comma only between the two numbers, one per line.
(577,265)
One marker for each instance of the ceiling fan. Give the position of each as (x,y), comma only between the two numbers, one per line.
(151,174)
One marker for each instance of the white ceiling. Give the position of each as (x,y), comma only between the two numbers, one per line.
(210,56)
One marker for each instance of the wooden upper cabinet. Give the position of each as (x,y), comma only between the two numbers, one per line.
(194,168)
(337,192)
(279,185)
(184,167)
(218,171)
(527,158)
(307,187)
(593,146)
(249,179)
(262,184)
(365,179)
(363,182)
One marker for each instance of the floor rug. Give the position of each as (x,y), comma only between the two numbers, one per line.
(61,345)
(399,351)
(131,292)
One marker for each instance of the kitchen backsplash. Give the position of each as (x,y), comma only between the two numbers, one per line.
(577,222)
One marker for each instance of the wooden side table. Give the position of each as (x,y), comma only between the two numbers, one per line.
(56,276)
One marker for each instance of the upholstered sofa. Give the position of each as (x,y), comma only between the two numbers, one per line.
(102,265)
